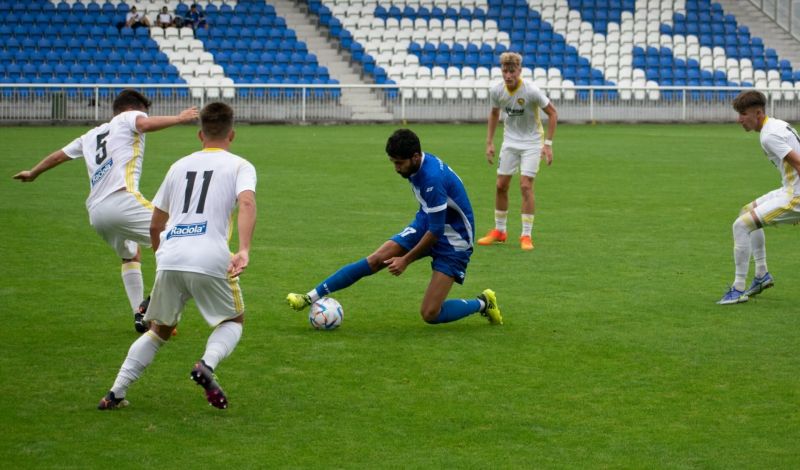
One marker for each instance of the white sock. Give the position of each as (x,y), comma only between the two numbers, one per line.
(134,285)
(500,220)
(222,342)
(140,355)
(741,250)
(527,224)
(759,246)
(313,295)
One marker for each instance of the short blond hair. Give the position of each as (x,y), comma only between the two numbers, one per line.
(510,58)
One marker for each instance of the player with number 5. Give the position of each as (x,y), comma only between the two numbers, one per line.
(113,153)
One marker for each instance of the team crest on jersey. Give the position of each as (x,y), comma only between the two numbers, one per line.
(188,230)
(521,101)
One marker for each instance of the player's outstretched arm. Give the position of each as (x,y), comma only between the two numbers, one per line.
(246,227)
(156,123)
(54,159)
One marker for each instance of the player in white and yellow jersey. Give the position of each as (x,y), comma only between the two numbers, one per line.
(781,144)
(113,154)
(190,230)
(524,144)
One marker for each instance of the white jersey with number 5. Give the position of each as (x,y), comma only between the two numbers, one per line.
(113,154)
(523,124)
(778,138)
(200,194)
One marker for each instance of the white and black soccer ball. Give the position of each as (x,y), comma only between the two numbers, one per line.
(326,314)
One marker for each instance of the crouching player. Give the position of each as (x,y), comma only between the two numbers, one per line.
(442,229)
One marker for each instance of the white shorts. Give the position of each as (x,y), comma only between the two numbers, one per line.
(776,207)
(217,299)
(123,221)
(526,161)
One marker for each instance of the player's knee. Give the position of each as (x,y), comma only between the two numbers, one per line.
(376,262)
(429,315)
(502,187)
(162,331)
(743,224)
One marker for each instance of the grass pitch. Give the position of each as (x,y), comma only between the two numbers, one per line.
(613,352)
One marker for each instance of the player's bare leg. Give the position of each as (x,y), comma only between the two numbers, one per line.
(134,286)
(435,295)
(347,275)
(498,233)
(528,210)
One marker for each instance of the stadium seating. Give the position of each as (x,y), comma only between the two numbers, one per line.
(593,43)
(253,45)
(77,42)
(600,43)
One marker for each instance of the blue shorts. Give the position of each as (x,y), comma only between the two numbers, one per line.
(450,263)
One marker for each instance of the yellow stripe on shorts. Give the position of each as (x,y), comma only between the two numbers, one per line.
(772,215)
(236,291)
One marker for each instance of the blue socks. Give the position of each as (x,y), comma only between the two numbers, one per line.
(456,309)
(348,275)
(345,277)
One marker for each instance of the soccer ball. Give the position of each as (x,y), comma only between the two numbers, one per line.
(326,314)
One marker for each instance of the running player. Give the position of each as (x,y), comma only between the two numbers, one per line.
(442,229)
(522,147)
(190,231)
(781,144)
(113,153)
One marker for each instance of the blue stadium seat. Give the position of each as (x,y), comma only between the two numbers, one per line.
(276,71)
(154,69)
(249,71)
(293,73)
(237,57)
(93,72)
(76,70)
(308,71)
(114,57)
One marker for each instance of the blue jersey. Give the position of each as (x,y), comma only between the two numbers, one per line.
(443,206)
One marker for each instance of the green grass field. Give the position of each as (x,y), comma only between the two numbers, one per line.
(613,353)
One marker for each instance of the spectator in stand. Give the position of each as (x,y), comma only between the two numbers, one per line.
(196,18)
(165,19)
(135,19)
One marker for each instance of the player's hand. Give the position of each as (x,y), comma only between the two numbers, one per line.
(490,153)
(547,154)
(25,176)
(238,263)
(189,114)
(396,265)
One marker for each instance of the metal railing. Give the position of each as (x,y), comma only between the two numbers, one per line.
(46,103)
(785,13)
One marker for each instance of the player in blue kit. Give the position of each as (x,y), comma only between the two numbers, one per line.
(442,229)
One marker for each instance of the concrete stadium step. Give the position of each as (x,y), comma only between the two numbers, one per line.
(366,105)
